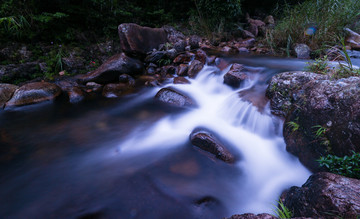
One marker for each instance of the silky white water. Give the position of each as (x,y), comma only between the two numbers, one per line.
(267,169)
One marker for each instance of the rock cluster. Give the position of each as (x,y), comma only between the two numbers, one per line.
(314,102)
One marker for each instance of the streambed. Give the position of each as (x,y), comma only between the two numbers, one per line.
(132,158)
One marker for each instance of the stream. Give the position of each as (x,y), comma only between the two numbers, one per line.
(132,158)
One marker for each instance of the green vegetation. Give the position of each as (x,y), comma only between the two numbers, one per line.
(293,125)
(320,66)
(328,17)
(348,166)
(282,211)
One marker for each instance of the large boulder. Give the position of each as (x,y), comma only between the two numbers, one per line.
(171,96)
(206,141)
(34,93)
(325,195)
(136,40)
(6,92)
(194,68)
(322,116)
(111,70)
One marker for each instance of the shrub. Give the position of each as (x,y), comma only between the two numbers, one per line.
(216,14)
(328,17)
(348,166)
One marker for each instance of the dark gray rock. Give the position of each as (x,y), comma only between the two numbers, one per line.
(302,51)
(180,46)
(175,98)
(313,101)
(208,142)
(194,42)
(111,70)
(325,195)
(6,92)
(34,93)
(155,56)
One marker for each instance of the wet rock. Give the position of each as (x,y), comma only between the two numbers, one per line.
(6,92)
(125,78)
(245,34)
(252,216)
(183,58)
(94,87)
(169,69)
(229,50)
(75,95)
(34,93)
(112,69)
(173,35)
(201,56)
(9,73)
(181,80)
(208,142)
(313,101)
(155,56)
(302,51)
(147,80)
(183,70)
(353,39)
(116,90)
(171,53)
(248,43)
(235,75)
(243,50)
(194,42)
(136,40)
(173,97)
(180,46)
(325,195)
(194,68)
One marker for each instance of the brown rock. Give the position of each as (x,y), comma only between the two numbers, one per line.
(6,92)
(183,58)
(235,75)
(175,98)
(75,95)
(116,90)
(34,93)
(208,142)
(201,56)
(136,40)
(181,80)
(325,195)
(112,69)
(183,70)
(195,68)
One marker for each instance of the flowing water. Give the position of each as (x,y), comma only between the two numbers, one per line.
(131,157)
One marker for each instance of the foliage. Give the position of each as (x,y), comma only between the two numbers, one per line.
(320,131)
(320,66)
(348,166)
(282,211)
(293,125)
(215,15)
(347,69)
(65,20)
(326,17)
